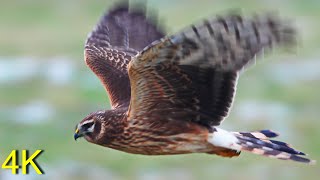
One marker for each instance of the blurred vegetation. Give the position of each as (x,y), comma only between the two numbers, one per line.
(44,30)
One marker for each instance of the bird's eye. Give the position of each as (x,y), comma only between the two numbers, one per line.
(87,125)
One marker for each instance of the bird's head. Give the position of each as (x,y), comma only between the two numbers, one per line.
(90,127)
(101,127)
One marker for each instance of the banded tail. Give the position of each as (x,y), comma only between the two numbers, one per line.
(258,142)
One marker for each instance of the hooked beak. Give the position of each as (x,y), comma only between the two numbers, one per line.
(77,134)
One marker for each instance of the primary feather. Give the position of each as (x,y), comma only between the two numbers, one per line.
(194,73)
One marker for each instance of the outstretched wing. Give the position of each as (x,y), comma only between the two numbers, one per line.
(192,75)
(119,36)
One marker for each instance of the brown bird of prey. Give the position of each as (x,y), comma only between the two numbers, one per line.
(169,93)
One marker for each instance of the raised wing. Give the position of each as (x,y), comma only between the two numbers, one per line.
(191,76)
(119,36)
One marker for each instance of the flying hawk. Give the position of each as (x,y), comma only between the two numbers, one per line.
(169,93)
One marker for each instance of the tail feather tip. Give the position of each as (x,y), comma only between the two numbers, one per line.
(313,162)
(269,133)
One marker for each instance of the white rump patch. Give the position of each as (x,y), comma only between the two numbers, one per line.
(222,138)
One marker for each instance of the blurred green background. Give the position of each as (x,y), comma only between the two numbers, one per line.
(46,89)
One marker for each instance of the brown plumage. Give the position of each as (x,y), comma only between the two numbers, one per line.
(168,94)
